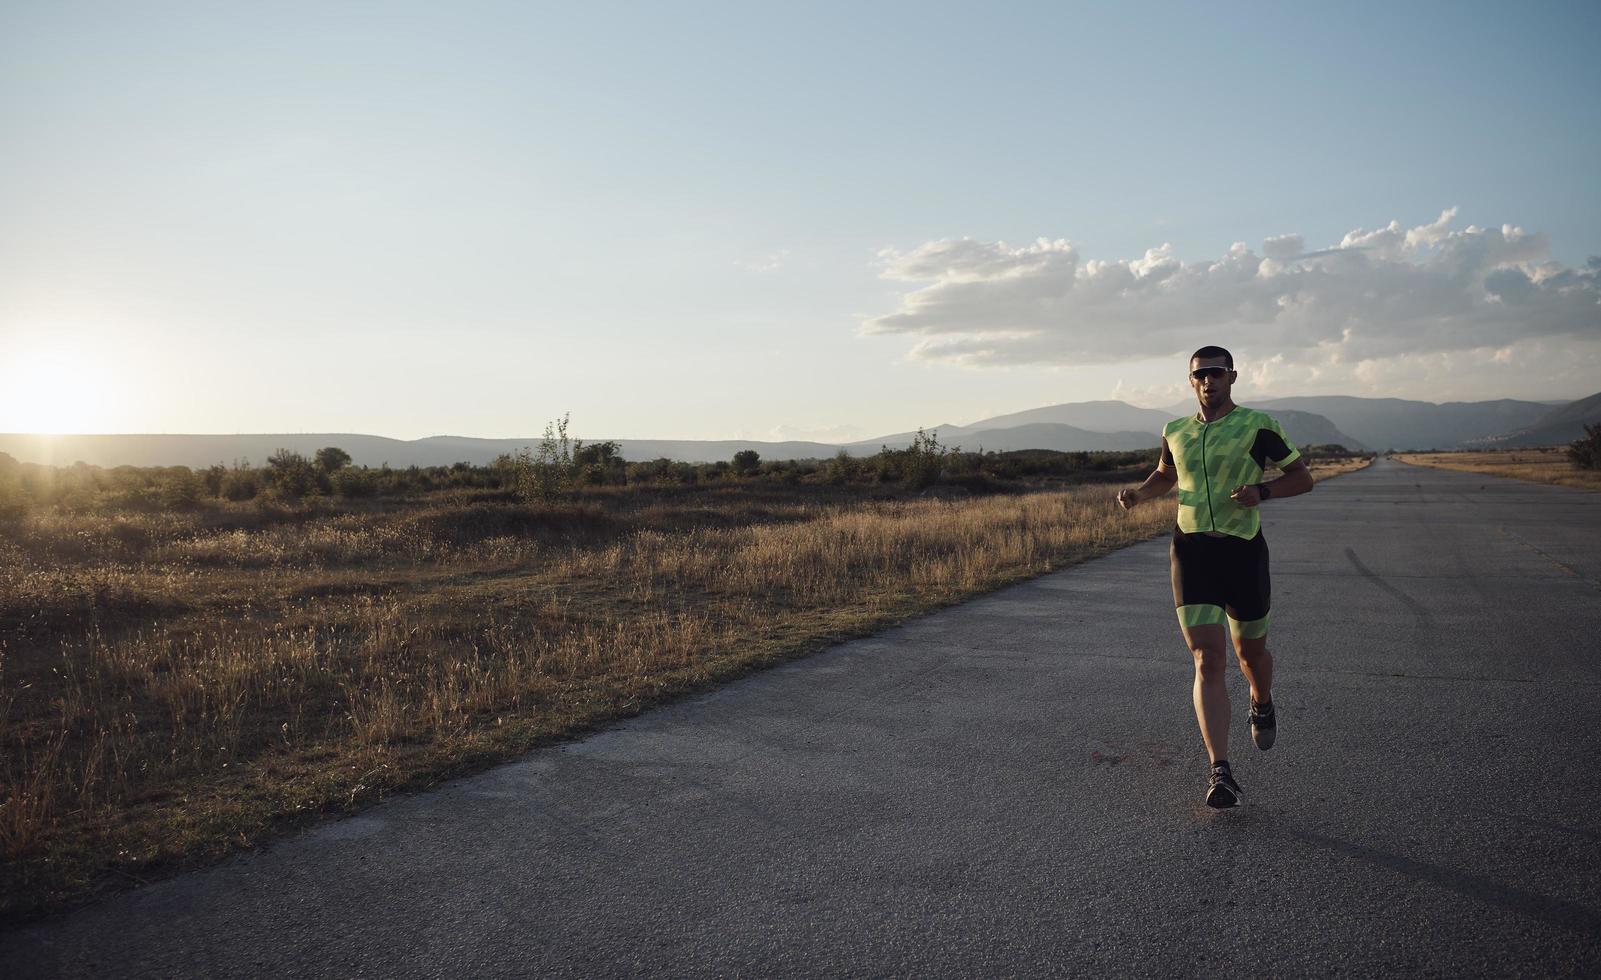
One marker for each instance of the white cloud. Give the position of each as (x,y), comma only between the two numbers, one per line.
(766,263)
(1152,396)
(828,433)
(1541,368)
(1391,292)
(1282,248)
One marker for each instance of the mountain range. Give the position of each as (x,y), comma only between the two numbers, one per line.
(1356,423)
(1396,423)
(1091,426)
(1564,423)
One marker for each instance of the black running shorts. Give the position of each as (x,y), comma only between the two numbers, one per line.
(1217,576)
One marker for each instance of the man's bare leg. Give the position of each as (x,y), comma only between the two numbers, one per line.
(1208,644)
(1256,663)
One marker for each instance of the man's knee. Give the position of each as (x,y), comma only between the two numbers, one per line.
(1253,651)
(1209,660)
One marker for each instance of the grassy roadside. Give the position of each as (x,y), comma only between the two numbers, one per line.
(1534,465)
(180,688)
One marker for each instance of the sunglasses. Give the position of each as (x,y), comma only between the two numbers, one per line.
(1200,374)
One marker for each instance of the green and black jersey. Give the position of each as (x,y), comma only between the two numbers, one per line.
(1212,458)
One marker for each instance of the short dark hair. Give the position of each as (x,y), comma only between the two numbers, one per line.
(1215,352)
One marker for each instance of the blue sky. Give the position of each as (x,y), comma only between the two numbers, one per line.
(718,220)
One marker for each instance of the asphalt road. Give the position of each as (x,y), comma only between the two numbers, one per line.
(1013,787)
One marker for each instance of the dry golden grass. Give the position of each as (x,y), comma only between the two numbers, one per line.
(1534,465)
(182,686)
(1323,469)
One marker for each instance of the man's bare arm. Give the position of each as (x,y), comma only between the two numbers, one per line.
(1297,479)
(1158,483)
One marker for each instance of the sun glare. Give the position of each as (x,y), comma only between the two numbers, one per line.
(55,392)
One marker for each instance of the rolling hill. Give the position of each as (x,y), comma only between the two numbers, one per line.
(1557,427)
(1052,435)
(1397,423)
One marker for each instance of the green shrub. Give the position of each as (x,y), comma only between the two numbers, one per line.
(1586,452)
(599,463)
(354,484)
(331,459)
(146,499)
(13,502)
(241,483)
(547,474)
(291,475)
(917,466)
(650,470)
(843,468)
(213,479)
(181,489)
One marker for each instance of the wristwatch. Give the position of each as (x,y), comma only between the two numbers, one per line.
(1263,491)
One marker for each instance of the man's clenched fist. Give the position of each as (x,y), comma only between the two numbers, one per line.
(1127,498)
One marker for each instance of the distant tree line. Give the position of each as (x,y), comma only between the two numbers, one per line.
(290,479)
(559,468)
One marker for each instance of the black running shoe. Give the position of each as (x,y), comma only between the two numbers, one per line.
(1222,791)
(1264,725)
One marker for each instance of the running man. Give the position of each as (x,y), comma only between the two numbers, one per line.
(1219,558)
